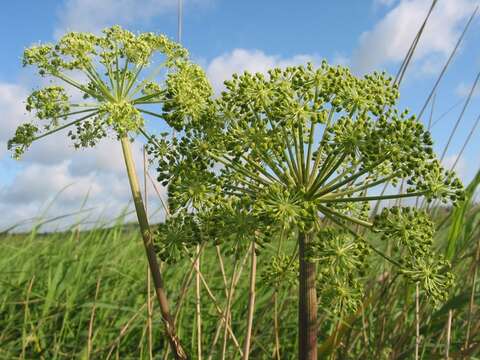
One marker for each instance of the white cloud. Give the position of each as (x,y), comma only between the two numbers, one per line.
(431,64)
(240,60)
(13,109)
(37,182)
(94,15)
(463,89)
(391,37)
(52,166)
(57,187)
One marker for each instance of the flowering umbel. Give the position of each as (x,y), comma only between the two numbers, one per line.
(302,147)
(107,72)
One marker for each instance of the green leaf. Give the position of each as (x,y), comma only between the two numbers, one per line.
(456,233)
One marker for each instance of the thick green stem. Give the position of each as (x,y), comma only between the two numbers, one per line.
(175,345)
(307,304)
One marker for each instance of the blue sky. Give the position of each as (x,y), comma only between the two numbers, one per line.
(225,37)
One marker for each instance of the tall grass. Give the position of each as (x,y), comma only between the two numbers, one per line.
(84,295)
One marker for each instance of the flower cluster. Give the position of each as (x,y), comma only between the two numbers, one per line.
(285,207)
(185,103)
(438,183)
(77,51)
(281,271)
(433,275)
(231,224)
(342,261)
(50,103)
(24,135)
(122,116)
(188,174)
(87,133)
(107,72)
(175,238)
(299,147)
(411,231)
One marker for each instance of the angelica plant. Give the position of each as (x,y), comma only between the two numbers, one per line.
(301,149)
(107,74)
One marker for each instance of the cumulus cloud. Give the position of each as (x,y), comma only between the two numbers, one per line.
(13,109)
(36,182)
(41,192)
(463,89)
(68,188)
(390,38)
(53,167)
(240,60)
(94,15)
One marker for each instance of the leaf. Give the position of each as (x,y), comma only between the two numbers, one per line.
(457,229)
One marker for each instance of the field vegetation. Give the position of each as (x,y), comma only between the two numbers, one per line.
(67,295)
(307,216)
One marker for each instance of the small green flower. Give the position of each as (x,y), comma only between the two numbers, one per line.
(433,275)
(342,261)
(176,237)
(50,103)
(24,135)
(409,228)
(282,270)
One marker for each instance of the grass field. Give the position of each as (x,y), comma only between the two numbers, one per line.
(83,294)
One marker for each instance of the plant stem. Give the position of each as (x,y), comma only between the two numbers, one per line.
(449,334)
(251,303)
(307,304)
(149,316)
(175,345)
(198,308)
(235,277)
(472,296)
(311,139)
(275,325)
(92,319)
(227,314)
(149,276)
(417,321)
